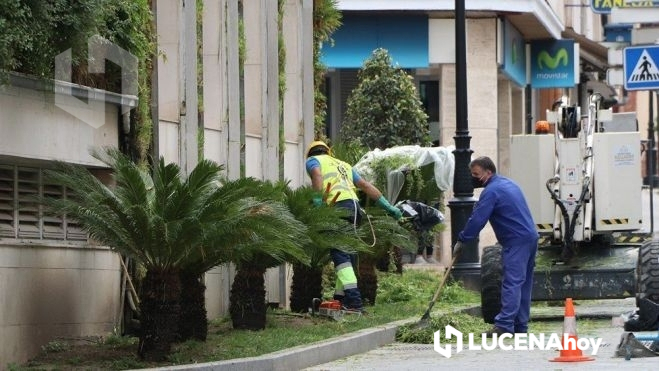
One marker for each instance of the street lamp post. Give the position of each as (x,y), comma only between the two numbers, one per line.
(651,178)
(467,267)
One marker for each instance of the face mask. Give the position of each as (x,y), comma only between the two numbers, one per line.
(477,182)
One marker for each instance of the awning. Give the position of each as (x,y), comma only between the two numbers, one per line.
(594,58)
(405,37)
(592,52)
(535,19)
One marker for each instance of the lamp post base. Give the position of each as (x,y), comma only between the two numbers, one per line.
(654,179)
(468,274)
(467,268)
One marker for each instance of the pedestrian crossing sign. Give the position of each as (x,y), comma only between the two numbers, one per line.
(641,69)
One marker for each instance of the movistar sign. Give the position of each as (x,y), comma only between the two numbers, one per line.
(553,64)
(604,6)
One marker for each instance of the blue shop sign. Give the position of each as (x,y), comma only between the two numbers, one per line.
(514,54)
(553,64)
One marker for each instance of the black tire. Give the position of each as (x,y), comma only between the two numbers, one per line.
(647,270)
(491,276)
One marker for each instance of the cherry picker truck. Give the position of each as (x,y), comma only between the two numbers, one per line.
(583,183)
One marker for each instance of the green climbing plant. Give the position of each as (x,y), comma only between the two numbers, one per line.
(326,19)
(282,85)
(200,80)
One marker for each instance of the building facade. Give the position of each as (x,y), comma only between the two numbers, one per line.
(55,283)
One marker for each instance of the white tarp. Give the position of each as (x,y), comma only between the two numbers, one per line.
(442,157)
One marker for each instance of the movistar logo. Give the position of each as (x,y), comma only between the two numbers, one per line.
(544,58)
(514,52)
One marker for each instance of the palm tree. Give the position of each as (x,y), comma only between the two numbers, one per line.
(325,230)
(243,224)
(164,221)
(383,232)
(247,305)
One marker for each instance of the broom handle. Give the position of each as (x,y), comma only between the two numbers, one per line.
(456,253)
(444,278)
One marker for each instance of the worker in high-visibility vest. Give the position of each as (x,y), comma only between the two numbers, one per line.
(338,180)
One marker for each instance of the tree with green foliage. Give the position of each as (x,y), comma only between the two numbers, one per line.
(171,225)
(284,232)
(384,110)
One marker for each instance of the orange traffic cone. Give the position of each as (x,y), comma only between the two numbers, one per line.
(570,351)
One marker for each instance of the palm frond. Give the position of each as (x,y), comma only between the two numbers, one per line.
(164,219)
(272,235)
(326,227)
(90,200)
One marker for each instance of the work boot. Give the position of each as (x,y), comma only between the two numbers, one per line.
(495,330)
(420,260)
(431,260)
(338,297)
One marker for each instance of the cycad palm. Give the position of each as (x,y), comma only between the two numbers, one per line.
(242,224)
(165,221)
(325,230)
(247,299)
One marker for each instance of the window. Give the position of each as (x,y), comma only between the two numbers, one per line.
(429,94)
(21,215)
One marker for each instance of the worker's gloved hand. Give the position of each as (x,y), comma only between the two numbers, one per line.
(317,200)
(457,247)
(393,211)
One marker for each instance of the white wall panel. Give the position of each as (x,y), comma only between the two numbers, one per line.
(32,126)
(253,157)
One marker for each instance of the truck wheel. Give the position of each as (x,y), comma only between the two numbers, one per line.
(647,280)
(491,282)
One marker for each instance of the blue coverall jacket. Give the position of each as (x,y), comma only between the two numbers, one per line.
(502,203)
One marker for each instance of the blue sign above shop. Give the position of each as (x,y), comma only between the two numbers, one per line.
(553,64)
(514,54)
(404,37)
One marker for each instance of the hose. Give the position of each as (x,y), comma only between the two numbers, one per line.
(357,210)
(567,240)
(569,223)
(584,190)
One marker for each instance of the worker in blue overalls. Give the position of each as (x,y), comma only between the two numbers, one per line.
(502,203)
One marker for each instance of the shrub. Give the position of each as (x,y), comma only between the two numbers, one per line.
(384,110)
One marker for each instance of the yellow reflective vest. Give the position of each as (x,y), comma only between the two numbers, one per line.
(339,175)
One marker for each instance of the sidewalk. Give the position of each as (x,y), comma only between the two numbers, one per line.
(418,357)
